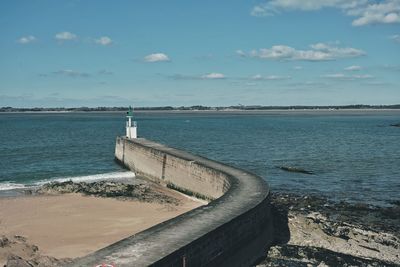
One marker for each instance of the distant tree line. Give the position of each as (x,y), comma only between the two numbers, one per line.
(197,107)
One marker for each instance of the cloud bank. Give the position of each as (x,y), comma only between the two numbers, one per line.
(317,52)
(365,11)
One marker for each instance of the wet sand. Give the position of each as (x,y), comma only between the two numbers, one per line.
(73,225)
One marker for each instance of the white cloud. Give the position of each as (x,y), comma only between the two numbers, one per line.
(341,76)
(213,75)
(156,57)
(277,77)
(26,39)
(335,75)
(65,36)
(104,40)
(105,72)
(353,68)
(363,76)
(208,76)
(395,37)
(257,77)
(365,11)
(261,11)
(318,52)
(276,6)
(269,78)
(240,53)
(72,73)
(383,12)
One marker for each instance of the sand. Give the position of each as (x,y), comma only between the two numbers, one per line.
(72,225)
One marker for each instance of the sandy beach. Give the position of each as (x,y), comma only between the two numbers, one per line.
(72,225)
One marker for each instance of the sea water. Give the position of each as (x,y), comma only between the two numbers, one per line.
(355,156)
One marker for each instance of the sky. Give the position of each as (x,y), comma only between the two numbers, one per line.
(72,53)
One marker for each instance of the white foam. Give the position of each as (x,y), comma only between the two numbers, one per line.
(85,178)
(91,178)
(10,186)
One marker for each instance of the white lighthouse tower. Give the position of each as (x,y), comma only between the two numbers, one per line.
(131,128)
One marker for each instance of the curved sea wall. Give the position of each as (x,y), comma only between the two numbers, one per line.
(234,229)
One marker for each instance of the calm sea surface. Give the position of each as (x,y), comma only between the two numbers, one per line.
(355,157)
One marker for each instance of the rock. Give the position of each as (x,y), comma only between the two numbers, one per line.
(295,169)
(140,192)
(16,261)
(328,233)
(20,238)
(45,261)
(20,253)
(4,241)
(316,217)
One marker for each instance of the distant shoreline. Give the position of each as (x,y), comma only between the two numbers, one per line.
(200,108)
(364,111)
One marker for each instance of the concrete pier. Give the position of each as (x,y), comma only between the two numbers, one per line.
(234,229)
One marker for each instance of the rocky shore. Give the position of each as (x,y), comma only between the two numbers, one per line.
(144,192)
(312,231)
(20,253)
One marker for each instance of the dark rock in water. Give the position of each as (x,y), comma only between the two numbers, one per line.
(295,169)
(141,192)
(395,124)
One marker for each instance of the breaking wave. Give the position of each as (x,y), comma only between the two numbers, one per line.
(85,178)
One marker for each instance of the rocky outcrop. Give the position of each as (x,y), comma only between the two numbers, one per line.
(318,232)
(140,192)
(16,251)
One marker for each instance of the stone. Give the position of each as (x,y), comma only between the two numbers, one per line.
(4,241)
(15,261)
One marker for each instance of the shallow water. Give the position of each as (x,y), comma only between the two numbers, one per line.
(355,156)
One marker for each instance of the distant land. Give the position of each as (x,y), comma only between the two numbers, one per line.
(196,108)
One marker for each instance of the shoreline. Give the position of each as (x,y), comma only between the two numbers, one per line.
(223,111)
(310,229)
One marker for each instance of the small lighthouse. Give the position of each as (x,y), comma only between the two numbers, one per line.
(131,128)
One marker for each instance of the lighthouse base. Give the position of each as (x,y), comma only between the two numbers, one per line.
(131,132)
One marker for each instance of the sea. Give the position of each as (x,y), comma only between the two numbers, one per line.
(354,155)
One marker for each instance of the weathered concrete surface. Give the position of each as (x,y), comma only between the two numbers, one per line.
(233,230)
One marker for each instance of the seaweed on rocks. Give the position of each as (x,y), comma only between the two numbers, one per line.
(140,192)
(313,231)
(367,217)
(305,256)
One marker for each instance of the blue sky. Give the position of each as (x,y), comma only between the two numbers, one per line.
(214,53)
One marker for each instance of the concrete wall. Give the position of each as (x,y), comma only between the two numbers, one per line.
(235,229)
(147,159)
